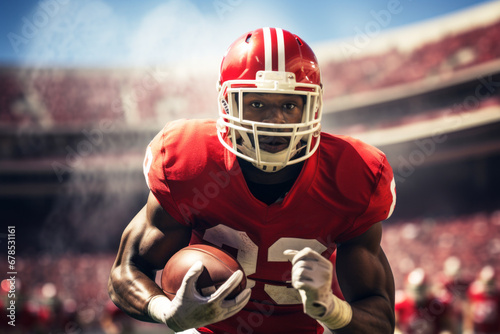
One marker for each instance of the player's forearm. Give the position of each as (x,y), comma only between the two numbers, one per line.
(370,315)
(131,290)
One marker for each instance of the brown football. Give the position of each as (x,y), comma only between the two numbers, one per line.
(219,266)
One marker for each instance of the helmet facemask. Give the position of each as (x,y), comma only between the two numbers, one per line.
(243,137)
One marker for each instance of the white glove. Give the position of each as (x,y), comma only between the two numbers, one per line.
(312,277)
(189,309)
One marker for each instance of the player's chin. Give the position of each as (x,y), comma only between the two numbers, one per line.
(273,148)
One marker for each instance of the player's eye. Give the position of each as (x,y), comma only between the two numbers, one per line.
(256,104)
(289,106)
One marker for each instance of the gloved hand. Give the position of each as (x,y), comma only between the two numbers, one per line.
(312,277)
(189,309)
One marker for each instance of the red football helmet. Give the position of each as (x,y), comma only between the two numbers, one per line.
(269,60)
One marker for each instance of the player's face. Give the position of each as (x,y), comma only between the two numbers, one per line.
(273,108)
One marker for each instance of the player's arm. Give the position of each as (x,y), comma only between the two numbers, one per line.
(365,278)
(149,240)
(367,283)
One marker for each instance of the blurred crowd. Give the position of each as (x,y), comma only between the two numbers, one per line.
(447,274)
(438,58)
(452,304)
(62,294)
(49,97)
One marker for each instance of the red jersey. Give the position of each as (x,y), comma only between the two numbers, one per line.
(430,317)
(342,190)
(485,310)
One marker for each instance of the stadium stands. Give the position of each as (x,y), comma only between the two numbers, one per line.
(439,59)
(81,97)
(428,242)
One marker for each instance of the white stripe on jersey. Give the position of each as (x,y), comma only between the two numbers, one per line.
(393,192)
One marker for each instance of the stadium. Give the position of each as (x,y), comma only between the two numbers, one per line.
(72,152)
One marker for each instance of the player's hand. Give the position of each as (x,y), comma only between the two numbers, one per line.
(189,309)
(312,277)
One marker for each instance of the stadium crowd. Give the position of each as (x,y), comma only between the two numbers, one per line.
(439,58)
(71,97)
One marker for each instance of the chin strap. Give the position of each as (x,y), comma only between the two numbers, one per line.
(279,156)
(249,150)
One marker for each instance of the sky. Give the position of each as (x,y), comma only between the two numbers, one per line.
(135,33)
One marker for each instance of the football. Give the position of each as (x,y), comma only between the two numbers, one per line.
(219,266)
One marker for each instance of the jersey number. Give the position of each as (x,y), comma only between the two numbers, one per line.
(247,256)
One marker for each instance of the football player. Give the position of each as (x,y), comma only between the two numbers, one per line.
(483,314)
(418,310)
(266,183)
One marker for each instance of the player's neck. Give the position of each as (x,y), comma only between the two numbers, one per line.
(255,175)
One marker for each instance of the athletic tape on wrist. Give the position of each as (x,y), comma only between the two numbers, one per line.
(340,316)
(158,307)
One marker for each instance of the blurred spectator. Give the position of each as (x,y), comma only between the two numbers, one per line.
(115,321)
(483,316)
(419,311)
(452,288)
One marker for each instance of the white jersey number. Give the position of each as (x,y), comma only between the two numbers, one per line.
(247,256)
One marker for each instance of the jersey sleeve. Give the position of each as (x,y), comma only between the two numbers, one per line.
(380,205)
(154,172)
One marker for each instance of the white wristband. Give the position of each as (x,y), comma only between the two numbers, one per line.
(340,316)
(158,308)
